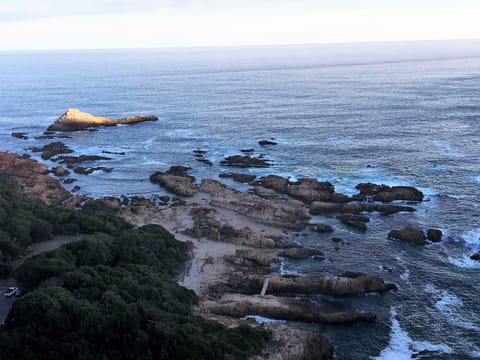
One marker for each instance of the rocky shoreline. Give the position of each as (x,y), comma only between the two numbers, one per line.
(238,238)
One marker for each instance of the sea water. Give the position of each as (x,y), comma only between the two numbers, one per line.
(393,113)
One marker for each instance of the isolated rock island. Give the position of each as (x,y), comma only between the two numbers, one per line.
(74,119)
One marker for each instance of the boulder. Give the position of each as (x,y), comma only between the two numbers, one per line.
(410,235)
(74,119)
(434,235)
(354,221)
(310,190)
(387,193)
(60,171)
(277,183)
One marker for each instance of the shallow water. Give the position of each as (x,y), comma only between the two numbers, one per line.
(386,113)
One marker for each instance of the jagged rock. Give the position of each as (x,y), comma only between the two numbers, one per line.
(476,256)
(266,142)
(409,234)
(241,178)
(386,193)
(113,152)
(321,207)
(20,135)
(434,235)
(282,308)
(348,284)
(301,253)
(245,161)
(176,181)
(321,228)
(52,149)
(33,178)
(74,119)
(246,151)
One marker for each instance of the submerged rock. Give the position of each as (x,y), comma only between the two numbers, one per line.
(266,142)
(20,135)
(301,253)
(475,256)
(74,119)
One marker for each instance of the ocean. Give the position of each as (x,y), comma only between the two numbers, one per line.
(392,113)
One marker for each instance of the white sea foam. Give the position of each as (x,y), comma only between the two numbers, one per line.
(261,319)
(405,275)
(449,304)
(471,240)
(403,347)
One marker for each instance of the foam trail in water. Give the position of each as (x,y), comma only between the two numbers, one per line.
(471,239)
(261,319)
(403,347)
(448,304)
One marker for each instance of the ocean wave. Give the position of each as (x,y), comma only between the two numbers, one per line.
(403,347)
(448,304)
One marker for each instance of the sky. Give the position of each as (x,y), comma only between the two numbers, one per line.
(97,24)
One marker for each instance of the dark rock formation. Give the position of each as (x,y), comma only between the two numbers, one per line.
(53,149)
(33,178)
(354,221)
(266,142)
(386,193)
(409,234)
(434,235)
(89,170)
(247,151)
(476,256)
(241,178)
(277,183)
(322,207)
(113,152)
(321,228)
(349,284)
(71,160)
(302,253)
(245,161)
(74,119)
(176,181)
(20,135)
(282,309)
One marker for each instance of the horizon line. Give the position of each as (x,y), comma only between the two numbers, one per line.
(253,45)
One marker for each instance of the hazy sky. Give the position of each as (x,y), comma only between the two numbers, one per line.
(80,24)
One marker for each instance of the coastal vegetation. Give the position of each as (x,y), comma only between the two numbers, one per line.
(111,295)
